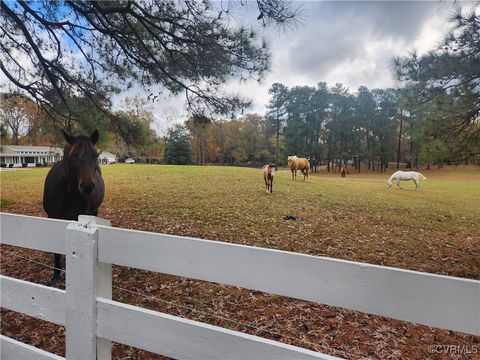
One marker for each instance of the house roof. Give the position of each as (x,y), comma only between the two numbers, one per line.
(106,154)
(21,150)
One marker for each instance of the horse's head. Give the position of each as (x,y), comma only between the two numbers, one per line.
(290,159)
(389,183)
(271,169)
(81,157)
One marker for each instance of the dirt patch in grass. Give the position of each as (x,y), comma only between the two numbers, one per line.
(357,218)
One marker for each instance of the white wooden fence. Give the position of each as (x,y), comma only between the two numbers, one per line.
(93,320)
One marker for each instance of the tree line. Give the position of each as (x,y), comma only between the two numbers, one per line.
(434,118)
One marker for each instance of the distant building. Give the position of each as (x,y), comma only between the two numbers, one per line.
(106,157)
(30,155)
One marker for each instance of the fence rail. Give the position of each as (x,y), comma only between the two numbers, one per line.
(423,298)
(187,339)
(43,302)
(15,350)
(33,232)
(93,320)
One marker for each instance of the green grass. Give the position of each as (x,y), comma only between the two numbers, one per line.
(356,218)
(5,203)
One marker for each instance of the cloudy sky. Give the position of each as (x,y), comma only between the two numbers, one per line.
(349,42)
(337,41)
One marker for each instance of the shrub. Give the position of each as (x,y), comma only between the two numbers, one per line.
(24,164)
(3,165)
(10,165)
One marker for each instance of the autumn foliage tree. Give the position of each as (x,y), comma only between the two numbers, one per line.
(14,116)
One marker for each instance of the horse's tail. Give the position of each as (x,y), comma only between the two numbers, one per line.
(423,177)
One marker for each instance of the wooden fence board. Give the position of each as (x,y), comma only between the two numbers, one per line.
(42,302)
(434,300)
(186,339)
(15,350)
(33,232)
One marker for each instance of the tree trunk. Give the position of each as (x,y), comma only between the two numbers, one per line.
(278,139)
(329,155)
(399,141)
(417,154)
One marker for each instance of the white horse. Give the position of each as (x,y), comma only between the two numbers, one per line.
(406,175)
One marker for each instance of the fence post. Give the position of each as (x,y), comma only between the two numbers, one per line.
(103,287)
(85,279)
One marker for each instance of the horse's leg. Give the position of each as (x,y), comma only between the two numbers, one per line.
(57,257)
(416,184)
(57,268)
(398,183)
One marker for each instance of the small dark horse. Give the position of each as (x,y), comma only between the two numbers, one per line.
(74,186)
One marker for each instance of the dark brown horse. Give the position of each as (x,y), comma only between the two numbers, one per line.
(74,186)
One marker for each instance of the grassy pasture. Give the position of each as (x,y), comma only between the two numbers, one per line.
(356,218)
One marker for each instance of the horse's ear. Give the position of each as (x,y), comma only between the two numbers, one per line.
(94,137)
(70,139)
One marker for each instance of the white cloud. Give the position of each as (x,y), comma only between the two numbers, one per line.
(352,43)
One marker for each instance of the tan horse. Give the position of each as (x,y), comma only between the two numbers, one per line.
(343,171)
(295,163)
(268,174)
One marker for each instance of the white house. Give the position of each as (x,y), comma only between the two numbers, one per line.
(106,157)
(30,155)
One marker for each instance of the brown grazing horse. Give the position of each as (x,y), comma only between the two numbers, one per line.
(268,174)
(295,163)
(74,186)
(343,171)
